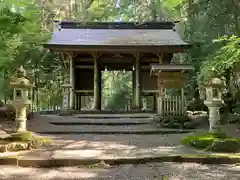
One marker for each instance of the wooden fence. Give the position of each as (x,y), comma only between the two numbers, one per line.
(172,105)
(83,102)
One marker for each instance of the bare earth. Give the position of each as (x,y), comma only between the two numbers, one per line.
(89,146)
(82,146)
(160,171)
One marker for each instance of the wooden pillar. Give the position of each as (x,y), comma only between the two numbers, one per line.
(160,108)
(133,87)
(183,101)
(100,89)
(78,101)
(72,83)
(137,83)
(97,84)
(160,97)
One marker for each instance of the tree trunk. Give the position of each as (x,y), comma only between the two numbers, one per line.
(153,10)
(236,6)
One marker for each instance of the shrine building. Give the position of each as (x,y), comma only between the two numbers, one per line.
(145,49)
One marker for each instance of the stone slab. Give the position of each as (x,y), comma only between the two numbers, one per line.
(107,132)
(57,162)
(124,116)
(99,123)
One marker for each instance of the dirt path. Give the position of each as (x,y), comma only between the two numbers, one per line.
(159,171)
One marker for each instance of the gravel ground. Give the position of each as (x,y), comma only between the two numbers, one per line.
(159,171)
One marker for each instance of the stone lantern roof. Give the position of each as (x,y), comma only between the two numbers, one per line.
(215,82)
(20,81)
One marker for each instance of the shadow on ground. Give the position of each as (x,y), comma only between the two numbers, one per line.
(160,171)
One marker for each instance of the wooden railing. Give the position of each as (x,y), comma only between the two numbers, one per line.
(172,105)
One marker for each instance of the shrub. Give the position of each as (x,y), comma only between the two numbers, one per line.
(175,122)
(234,120)
(216,142)
(8,112)
(2,103)
(196,105)
(224,145)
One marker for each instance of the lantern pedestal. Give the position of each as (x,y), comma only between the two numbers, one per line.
(20,106)
(21,86)
(214,114)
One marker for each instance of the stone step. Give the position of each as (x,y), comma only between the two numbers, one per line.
(26,161)
(100,121)
(106,132)
(116,123)
(114,116)
(103,129)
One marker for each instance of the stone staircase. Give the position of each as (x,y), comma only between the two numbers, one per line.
(112,139)
(102,124)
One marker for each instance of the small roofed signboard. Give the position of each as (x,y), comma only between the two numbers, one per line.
(171,83)
(170,75)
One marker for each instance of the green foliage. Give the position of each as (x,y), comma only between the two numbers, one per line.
(25,26)
(223,59)
(22,33)
(117,89)
(10,22)
(196,105)
(216,142)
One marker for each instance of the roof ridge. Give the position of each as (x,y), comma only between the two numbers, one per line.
(116,25)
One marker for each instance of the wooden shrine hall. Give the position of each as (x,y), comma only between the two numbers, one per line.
(88,48)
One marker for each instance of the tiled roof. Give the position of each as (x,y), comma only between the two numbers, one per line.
(117,37)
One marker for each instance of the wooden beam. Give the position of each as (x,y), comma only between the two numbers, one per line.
(149,91)
(84,91)
(122,49)
(103,67)
(103,59)
(84,66)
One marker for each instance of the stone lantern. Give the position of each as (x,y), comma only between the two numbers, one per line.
(21,87)
(214,102)
(66,96)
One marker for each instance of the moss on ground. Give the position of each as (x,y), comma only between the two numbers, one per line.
(217,155)
(215,142)
(23,141)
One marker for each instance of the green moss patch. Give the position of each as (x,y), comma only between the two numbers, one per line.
(174,122)
(23,141)
(215,142)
